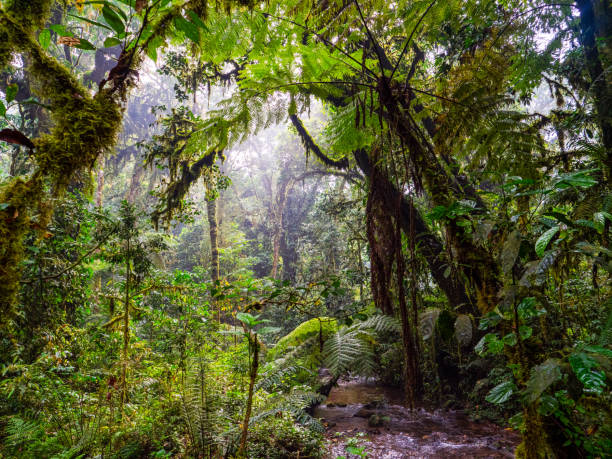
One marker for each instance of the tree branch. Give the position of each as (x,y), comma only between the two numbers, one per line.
(310,145)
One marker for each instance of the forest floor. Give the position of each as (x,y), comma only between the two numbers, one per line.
(367,420)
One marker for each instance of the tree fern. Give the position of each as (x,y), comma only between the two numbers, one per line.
(297,401)
(200,409)
(344,349)
(352,348)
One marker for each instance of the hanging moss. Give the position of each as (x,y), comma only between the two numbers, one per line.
(83,127)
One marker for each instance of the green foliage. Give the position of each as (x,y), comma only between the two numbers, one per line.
(545,239)
(542,376)
(320,327)
(501,393)
(201,409)
(278,437)
(352,348)
(584,367)
(503,213)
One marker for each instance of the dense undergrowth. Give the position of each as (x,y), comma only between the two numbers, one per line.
(212,211)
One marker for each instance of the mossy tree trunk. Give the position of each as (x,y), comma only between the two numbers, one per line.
(429,245)
(277,211)
(126,332)
(211,210)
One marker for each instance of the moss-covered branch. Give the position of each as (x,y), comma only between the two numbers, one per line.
(311,145)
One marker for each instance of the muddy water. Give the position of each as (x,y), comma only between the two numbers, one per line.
(348,413)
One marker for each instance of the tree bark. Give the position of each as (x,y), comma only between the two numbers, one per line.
(100,184)
(211,208)
(428,244)
(278,209)
(596,39)
(477,264)
(254,345)
(137,174)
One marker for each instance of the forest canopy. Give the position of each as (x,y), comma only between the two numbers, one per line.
(217,217)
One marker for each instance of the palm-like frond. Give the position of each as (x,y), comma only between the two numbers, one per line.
(200,408)
(352,348)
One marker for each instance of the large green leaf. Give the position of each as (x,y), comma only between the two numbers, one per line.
(501,393)
(491,319)
(548,405)
(544,239)
(90,21)
(248,319)
(197,21)
(11,92)
(44,38)
(584,367)
(489,344)
(190,30)
(580,179)
(84,44)
(528,308)
(115,8)
(111,41)
(541,378)
(510,251)
(510,339)
(61,30)
(113,19)
(599,350)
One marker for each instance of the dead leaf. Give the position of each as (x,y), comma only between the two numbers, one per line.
(140,4)
(16,137)
(70,41)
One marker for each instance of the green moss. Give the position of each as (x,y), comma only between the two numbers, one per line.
(535,441)
(19,197)
(308,329)
(83,127)
(30,14)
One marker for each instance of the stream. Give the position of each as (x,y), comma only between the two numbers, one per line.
(373,418)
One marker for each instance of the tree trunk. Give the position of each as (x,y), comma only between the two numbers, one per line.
(429,245)
(596,39)
(277,216)
(126,334)
(211,207)
(477,264)
(290,258)
(100,184)
(254,344)
(137,174)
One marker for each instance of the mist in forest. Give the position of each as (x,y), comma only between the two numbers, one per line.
(305,229)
